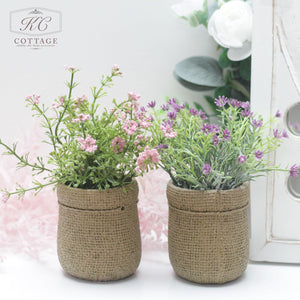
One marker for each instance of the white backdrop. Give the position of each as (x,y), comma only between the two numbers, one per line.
(144,37)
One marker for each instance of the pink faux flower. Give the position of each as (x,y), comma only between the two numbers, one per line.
(130,127)
(4,197)
(80,100)
(35,98)
(81,118)
(147,158)
(70,68)
(88,144)
(57,105)
(118,144)
(116,70)
(133,96)
(167,130)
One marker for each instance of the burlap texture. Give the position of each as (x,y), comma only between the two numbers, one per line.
(208,233)
(98,232)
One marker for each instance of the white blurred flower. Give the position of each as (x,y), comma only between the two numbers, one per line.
(231,27)
(185,8)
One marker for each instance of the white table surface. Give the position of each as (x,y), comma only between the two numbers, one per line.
(23,278)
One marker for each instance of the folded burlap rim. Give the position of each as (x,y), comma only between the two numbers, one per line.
(208,200)
(89,199)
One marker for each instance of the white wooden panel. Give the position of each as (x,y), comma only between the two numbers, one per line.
(275,212)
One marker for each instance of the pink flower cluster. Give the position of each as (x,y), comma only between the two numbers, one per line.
(130,127)
(81,118)
(167,130)
(147,158)
(56,105)
(144,121)
(70,68)
(118,144)
(116,70)
(88,144)
(35,98)
(80,100)
(132,96)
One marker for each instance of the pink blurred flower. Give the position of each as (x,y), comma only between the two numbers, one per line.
(70,68)
(116,70)
(35,98)
(130,127)
(3,197)
(81,118)
(80,100)
(133,96)
(88,144)
(147,158)
(56,105)
(118,144)
(167,129)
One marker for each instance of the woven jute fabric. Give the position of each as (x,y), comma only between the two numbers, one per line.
(208,233)
(98,232)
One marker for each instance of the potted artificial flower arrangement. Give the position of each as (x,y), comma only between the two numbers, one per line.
(93,163)
(210,166)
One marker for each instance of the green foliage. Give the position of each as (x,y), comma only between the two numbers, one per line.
(199,17)
(201,71)
(91,148)
(204,156)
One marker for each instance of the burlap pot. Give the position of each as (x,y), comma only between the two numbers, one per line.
(98,232)
(208,233)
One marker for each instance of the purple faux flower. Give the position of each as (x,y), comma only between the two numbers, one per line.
(258,155)
(221,101)
(257,123)
(277,134)
(172,115)
(193,111)
(167,123)
(165,107)
(226,135)
(162,146)
(175,105)
(206,169)
(202,115)
(172,101)
(215,140)
(234,103)
(294,171)
(246,113)
(242,159)
(245,105)
(143,110)
(206,128)
(278,114)
(152,104)
(285,134)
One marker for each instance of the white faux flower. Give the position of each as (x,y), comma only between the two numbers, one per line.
(231,27)
(185,8)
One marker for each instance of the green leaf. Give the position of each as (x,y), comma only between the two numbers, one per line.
(198,106)
(191,86)
(245,69)
(211,103)
(224,61)
(200,71)
(198,17)
(223,91)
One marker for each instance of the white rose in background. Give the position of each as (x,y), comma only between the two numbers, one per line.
(231,27)
(187,7)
